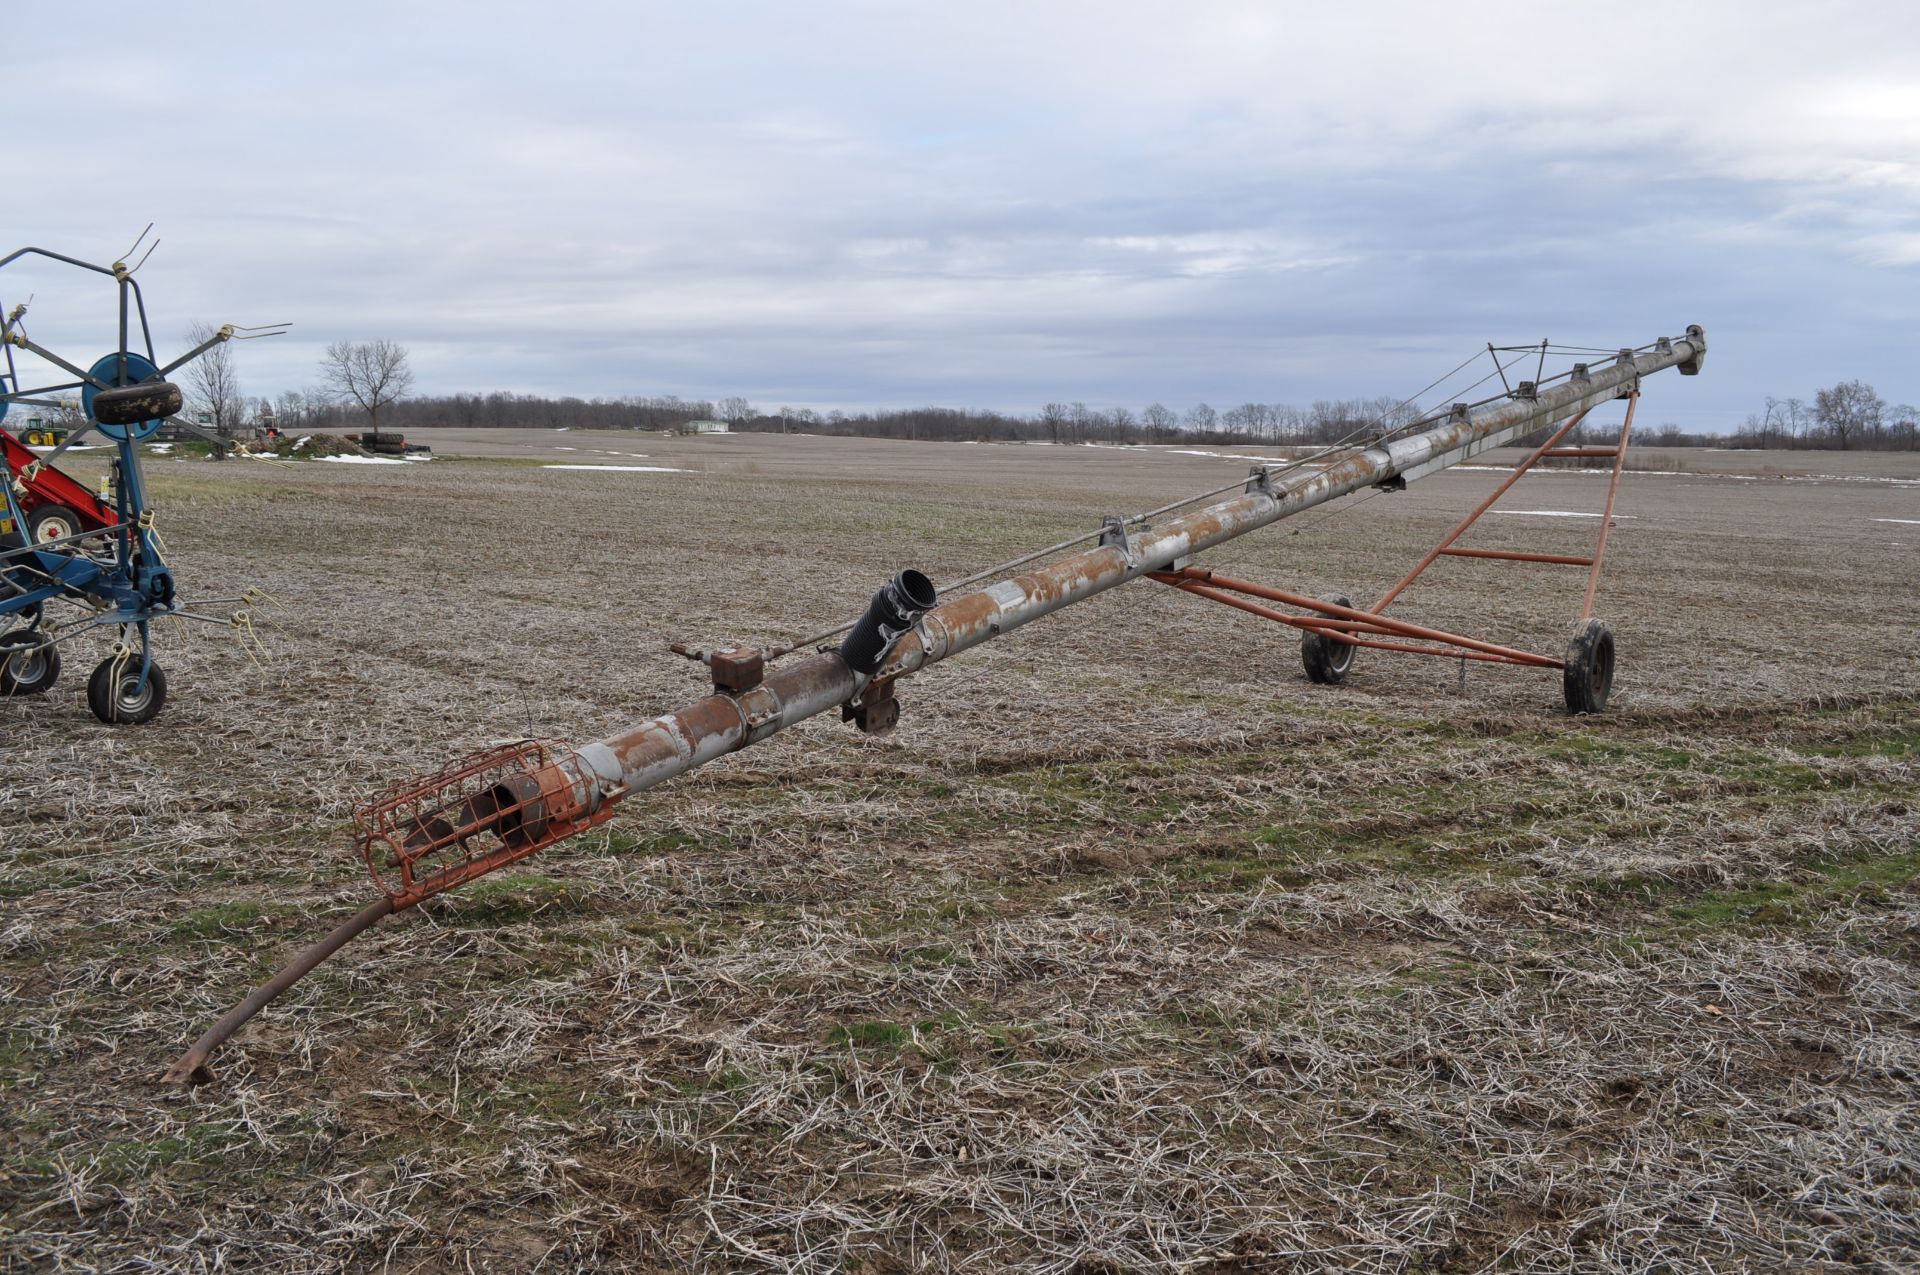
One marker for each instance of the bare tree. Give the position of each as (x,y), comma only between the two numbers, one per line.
(736,410)
(1054,417)
(1851,411)
(368,374)
(212,384)
(1906,426)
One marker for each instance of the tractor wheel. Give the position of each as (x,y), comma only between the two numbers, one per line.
(1588,677)
(1327,660)
(23,670)
(52,522)
(123,701)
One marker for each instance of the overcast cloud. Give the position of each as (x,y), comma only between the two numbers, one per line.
(986,204)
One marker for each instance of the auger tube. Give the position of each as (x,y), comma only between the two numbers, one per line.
(599,774)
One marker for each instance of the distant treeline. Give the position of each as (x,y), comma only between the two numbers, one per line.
(1055,423)
(1847,416)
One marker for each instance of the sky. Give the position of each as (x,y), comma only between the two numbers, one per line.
(994,205)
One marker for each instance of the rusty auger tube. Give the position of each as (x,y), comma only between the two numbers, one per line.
(577,790)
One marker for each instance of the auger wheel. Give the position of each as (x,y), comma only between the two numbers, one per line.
(1588,676)
(1327,660)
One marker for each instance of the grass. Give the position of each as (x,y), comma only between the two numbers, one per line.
(1129,951)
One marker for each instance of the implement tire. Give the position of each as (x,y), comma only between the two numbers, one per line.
(52,522)
(1588,676)
(122,701)
(23,670)
(1327,660)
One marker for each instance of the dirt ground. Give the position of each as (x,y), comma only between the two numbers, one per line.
(1131,950)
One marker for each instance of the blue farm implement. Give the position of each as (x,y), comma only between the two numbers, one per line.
(72,562)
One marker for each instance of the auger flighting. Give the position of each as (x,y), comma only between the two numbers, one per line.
(499,806)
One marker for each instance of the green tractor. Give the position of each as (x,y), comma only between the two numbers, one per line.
(40,434)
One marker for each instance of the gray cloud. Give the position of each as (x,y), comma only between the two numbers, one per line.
(992,204)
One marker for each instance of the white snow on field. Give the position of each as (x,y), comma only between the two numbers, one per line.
(622,469)
(1905,522)
(1264,460)
(358,460)
(159,449)
(1557,513)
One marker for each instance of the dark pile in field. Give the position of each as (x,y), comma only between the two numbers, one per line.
(314,446)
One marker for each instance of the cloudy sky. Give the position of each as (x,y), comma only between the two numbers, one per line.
(986,204)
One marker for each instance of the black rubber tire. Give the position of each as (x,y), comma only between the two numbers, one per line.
(125,709)
(1588,676)
(22,674)
(60,514)
(1327,660)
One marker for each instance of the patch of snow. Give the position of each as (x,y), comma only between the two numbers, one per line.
(355,460)
(1263,460)
(622,469)
(1904,522)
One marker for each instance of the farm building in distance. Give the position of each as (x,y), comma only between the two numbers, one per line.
(704,427)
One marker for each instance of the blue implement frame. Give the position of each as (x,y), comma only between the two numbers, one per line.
(115,576)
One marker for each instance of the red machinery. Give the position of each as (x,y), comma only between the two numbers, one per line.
(56,505)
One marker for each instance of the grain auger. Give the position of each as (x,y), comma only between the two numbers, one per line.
(98,556)
(499,806)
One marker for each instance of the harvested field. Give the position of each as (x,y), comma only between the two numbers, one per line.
(1129,951)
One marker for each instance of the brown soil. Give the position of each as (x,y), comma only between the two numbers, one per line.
(1130,950)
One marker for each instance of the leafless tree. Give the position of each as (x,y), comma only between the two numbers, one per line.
(1054,417)
(1906,426)
(735,410)
(368,374)
(1851,411)
(1159,419)
(212,384)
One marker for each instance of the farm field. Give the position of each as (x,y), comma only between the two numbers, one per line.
(1130,950)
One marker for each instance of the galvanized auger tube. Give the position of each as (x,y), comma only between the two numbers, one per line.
(577,791)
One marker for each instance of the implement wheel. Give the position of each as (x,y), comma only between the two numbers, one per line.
(1588,675)
(52,522)
(1327,660)
(23,670)
(122,701)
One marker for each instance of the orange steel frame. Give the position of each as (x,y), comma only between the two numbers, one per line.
(1368,627)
